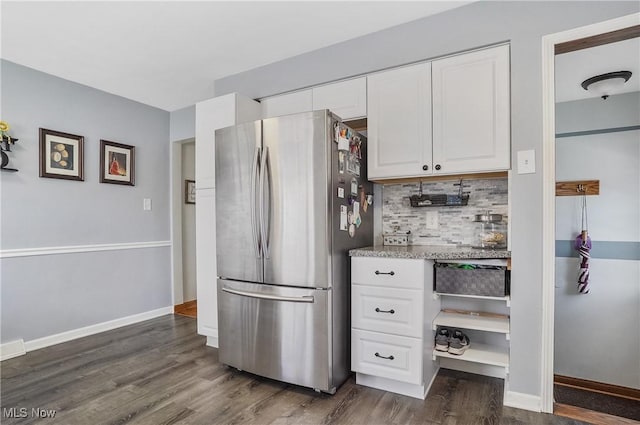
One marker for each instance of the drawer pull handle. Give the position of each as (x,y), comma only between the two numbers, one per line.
(383,357)
(391,273)
(385,311)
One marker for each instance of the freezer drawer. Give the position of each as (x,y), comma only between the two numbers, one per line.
(278,332)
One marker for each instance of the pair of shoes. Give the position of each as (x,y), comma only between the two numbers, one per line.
(454,342)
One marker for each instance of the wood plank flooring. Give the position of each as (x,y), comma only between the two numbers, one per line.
(189,309)
(160,372)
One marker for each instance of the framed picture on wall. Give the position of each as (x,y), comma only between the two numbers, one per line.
(117,163)
(189,192)
(61,155)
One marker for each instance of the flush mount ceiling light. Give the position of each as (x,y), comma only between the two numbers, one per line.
(606,84)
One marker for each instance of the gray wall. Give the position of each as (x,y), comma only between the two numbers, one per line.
(182,124)
(188,226)
(587,326)
(482,23)
(44,295)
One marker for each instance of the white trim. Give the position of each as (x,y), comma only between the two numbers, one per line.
(47,341)
(212,341)
(12,349)
(548,197)
(522,401)
(73,249)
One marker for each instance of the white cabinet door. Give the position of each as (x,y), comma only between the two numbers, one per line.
(286,104)
(471,112)
(399,122)
(347,99)
(206,273)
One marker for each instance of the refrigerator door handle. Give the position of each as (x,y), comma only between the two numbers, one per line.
(264,222)
(252,204)
(305,299)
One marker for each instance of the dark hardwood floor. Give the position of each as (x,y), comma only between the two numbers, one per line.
(160,372)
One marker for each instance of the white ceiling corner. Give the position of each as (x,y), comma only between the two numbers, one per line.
(168,54)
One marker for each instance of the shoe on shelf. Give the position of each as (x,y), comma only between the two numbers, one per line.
(458,343)
(442,339)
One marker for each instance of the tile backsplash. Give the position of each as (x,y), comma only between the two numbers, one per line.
(456,226)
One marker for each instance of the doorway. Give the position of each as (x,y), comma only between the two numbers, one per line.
(574,154)
(184,228)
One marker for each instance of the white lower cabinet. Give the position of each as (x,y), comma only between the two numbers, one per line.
(392,309)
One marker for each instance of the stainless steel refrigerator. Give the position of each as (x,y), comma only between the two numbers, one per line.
(290,203)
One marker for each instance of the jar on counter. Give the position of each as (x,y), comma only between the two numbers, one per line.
(491,232)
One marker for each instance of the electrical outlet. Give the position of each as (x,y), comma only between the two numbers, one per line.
(432,220)
(146,204)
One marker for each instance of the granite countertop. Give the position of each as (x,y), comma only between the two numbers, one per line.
(429,252)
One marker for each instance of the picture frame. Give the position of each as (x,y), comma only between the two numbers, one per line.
(189,192)
(117,163)
(61,155)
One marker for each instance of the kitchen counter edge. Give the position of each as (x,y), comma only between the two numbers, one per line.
(422,252)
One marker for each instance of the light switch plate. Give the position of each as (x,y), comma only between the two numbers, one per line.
(527,162)
(146,204)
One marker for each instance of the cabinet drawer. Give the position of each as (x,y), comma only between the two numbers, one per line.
(391,272)
(387,356)
(394,311)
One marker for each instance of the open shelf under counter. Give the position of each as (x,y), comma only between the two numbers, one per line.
(506,299)
(480,353)
(470,321)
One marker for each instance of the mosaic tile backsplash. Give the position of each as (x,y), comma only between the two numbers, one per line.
(456,225)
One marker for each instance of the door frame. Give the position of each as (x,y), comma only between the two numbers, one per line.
(176,185)
(549,43)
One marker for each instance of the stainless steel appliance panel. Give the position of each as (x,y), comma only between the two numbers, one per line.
(341,244)
(238,244)
(295,206)
(279,332)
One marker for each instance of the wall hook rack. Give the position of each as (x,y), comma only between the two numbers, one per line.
(578,188)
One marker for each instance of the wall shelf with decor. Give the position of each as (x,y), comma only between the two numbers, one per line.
(5,146)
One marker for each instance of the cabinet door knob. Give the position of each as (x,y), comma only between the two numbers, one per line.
(392,311)
(383,357)
(425,167)
(438,166)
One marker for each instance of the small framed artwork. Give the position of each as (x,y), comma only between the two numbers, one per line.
(61,155)
(189,192)
(117,163)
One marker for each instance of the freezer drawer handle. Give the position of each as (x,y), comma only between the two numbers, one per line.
(385,311)
(305,299)
(391,273)
(383,357)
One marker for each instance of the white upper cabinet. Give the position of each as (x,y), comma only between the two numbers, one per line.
(471,112)
(399,122)
(347,99)
(212,114)
(286,104)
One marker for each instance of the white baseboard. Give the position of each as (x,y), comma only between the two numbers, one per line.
(12,349)
(523,401)
(410,390)
(47,341)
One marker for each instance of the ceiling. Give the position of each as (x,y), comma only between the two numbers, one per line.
(574,67)
(168,54)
